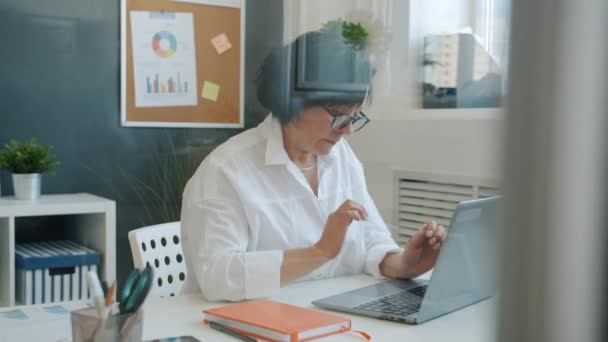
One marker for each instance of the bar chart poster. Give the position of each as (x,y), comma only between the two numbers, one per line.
(164,63)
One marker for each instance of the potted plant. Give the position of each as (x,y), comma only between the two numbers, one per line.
(27,162)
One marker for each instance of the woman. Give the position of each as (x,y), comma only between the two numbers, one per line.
(287,200)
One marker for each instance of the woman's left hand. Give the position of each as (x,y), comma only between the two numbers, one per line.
(422,249)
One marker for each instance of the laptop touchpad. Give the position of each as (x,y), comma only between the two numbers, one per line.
(346,300)
(383,289)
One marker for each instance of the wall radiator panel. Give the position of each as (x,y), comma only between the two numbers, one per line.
(423,197)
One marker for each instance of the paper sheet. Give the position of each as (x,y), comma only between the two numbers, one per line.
(221,43)
(164,62)
(210,91)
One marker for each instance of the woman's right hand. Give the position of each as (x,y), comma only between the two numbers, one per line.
(336,226)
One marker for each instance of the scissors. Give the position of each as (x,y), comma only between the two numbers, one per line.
(136,289)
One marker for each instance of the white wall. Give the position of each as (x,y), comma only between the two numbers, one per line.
(458,142)
(308,15)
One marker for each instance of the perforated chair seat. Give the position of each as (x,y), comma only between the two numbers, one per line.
(160,247)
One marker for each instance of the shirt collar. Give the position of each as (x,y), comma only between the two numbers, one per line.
(275,149)
(328,160)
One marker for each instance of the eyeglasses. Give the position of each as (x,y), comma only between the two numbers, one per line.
(341,121)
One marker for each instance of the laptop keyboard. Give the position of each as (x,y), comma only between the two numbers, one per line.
(401,303)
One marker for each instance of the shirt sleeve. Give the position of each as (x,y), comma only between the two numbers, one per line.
(378,239)
(215,239)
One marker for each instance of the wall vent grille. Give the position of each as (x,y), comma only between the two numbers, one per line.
(423,197)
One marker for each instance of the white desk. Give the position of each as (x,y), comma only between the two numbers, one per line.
(174,316)
(183,315)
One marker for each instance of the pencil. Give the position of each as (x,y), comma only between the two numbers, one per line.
(110,295)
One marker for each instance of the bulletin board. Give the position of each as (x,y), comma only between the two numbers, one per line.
(218,37)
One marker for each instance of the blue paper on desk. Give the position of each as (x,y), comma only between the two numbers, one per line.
(38,323)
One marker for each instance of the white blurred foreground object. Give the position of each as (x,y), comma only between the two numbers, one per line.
(553,283)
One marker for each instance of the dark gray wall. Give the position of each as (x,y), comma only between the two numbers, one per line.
(60,83)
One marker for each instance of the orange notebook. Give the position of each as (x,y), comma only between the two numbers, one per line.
(278,322)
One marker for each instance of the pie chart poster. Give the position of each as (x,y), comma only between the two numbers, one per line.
(163,59)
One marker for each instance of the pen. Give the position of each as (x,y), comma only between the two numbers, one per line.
(220,327)
(97,293)
(109,299)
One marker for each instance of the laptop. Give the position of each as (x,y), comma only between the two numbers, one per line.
(464,273)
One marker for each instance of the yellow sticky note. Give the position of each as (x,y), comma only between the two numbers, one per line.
(210,91)
(221,43)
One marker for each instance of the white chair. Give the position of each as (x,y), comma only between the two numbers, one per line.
(160,246)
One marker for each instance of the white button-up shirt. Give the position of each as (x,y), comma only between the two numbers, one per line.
(248,202)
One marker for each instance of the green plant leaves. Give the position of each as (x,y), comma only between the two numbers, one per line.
(28,157)
(354,34)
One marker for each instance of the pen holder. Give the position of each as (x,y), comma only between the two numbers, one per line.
(88,327)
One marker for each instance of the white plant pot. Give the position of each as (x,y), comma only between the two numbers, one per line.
(27,185)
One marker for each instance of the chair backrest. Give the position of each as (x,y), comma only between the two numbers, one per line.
(160,246)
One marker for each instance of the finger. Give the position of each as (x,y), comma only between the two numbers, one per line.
(355,214)
(434,226)
(433,241)
(436,247)
(417,240)
(441,233)
(361,210)
(429,232)
(351,205)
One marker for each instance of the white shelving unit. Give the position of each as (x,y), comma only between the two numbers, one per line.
(89,220)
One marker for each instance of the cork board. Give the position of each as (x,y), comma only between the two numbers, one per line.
(221,102)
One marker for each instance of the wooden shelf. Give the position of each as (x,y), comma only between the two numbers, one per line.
(90,221)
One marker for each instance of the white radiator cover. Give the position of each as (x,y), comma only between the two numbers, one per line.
(422,197)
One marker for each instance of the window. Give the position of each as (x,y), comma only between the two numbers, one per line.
(429,53)
(464,52)
(492,25)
